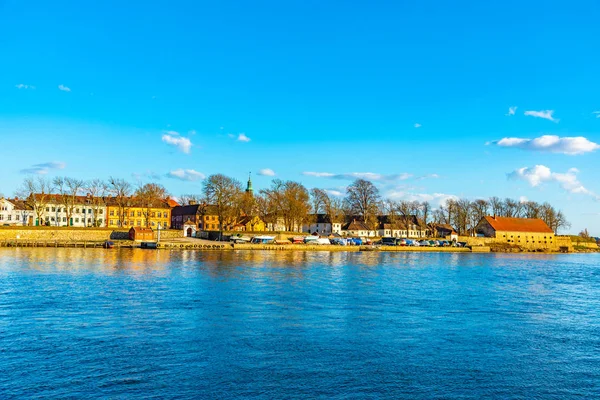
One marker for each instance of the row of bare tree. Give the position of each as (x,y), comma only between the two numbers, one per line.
(38,192)
(291,203)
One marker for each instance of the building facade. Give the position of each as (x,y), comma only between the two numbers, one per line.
(14,212)
(530,233)
(130,212)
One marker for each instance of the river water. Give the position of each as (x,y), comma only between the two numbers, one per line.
(78,323)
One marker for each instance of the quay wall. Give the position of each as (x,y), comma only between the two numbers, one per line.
(62,234)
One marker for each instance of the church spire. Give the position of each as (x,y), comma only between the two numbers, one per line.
(249,187)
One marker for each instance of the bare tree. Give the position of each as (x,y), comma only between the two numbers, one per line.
(68,190)
(97,190)
(425,211)
(36,193)
(121,191)
(221,192)
(496,205)
(363,200)
(191,199)
(150,195)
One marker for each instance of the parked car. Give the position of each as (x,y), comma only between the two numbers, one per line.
(415,243)
(410,242)
(339,241)
(323,241)
(262,239)
(425,243)
(355,241)
(401,242)
(388,241)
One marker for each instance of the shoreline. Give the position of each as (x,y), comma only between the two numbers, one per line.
(226,246)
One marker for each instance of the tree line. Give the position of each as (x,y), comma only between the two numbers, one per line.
(290,203)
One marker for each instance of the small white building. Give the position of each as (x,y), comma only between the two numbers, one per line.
(358,228)
(322,225)
(15,212)
(85,211)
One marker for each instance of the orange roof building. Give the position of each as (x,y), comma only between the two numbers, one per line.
(525,232)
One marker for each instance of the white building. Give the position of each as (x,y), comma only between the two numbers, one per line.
(15,212)
(322,225)
(358,228)
(85,211)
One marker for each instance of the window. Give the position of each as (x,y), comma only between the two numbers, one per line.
(165,225)
(77,211)
(53,208)
(153,215)
(139,223)
(9,217)
(47,209)
(112,213)
(139,213)
(52,219)
(133,213)
(76,220)
(1,217)
(100,211)
(64,219)
(158,215)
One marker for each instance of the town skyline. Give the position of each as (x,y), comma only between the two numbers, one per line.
(424,111)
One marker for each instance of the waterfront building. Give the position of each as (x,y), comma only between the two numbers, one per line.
(357,228)
(524,232)
(443,231)
(68,210)
(15,212)
(321,224)
(402,227)
(133,212)
(249,224)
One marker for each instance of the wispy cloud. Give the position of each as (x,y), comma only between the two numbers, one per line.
(435,199)
(545,114)
(417,125)
(540,174)
(266,172)
(64,88)
(511,111)
(22,86)
(334,192)
(428,176)
(146,175)
(371,176)
(44,168)
(597,114)
(189,175)
(174,139)
(551,143)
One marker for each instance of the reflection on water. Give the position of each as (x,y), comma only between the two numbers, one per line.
(189,324)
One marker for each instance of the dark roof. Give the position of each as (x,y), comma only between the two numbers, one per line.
(443,227)
(400,222)
(19,204)
(518,224)
(185,210)
(356,226)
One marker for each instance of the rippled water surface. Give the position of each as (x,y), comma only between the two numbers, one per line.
(140,323)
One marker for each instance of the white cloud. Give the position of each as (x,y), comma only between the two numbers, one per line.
(511,110)
(435,199)
(540,174)
(372,176)
(523,199)
(182,143)
(597,114)
(266,172)
(22,86)
(44,168)
(551,143)
(64,88)
(545,114)
(333,192)
(186,175)
(243,138)
(428,176)
(417,125)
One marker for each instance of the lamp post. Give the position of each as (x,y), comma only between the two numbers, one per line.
(158,233)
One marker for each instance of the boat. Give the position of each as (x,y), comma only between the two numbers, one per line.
(108,244)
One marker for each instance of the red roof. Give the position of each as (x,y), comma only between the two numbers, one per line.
(518,224)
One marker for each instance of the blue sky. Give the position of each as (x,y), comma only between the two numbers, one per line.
(332,89)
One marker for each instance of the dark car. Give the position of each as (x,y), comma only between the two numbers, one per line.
(388,241)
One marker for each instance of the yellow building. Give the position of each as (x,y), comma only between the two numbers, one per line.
(131,213)
(249,224)
(530,233)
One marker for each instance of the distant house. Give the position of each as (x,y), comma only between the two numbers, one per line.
(526,232)
(358,228)
(322,225)
(15,212)
(141,234)
(443,231)
(402,227)
(249,224)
